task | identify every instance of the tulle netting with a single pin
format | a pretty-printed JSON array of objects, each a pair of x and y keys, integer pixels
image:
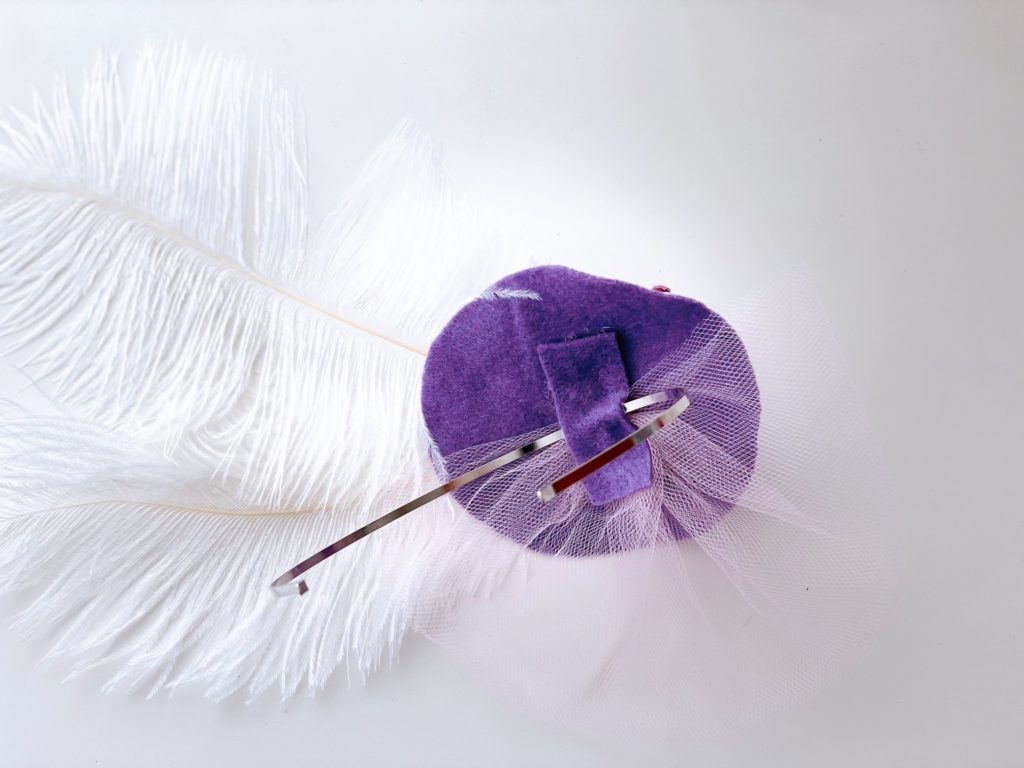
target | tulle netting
[{"x": 737, "y": 583}]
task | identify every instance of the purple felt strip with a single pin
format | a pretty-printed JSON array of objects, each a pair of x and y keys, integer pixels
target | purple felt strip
[{"x": 587, "y": 381}]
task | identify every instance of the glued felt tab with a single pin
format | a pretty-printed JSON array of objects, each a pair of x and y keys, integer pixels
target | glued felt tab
[{"x": 587, "y": 380}]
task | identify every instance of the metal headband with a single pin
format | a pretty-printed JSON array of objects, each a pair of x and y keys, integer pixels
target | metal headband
[{"x": 285, "y": 584}]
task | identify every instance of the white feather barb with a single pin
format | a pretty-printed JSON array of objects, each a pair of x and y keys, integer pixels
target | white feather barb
[
  {"x": 143, "y": 568},
  {"x": 156, "y": 243},
  {"x": 158, "y": 278}
]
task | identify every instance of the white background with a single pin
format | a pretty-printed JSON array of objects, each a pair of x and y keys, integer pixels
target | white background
[{"x": 703, "y": 145}]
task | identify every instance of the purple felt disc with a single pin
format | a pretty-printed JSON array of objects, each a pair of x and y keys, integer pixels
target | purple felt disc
[{"x": 506, "y": 365}]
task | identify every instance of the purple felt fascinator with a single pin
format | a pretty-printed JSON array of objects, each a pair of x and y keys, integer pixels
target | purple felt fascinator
[
  {"x": 553, "y": 346},
  {"x": 679, "y": 515}
]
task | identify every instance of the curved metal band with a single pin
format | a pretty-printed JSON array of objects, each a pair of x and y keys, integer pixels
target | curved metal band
[
  {"x": 612, "y": 452},
  {"x": 285, "y": 584}
]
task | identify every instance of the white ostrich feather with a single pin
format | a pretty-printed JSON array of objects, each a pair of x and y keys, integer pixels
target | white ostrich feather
[
  {"x": 160, "y": 575},
  {"x": 244, "y": 392}
]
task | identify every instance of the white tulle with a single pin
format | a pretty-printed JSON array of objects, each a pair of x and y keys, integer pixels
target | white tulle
[{"x": 676, "y": 639}]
